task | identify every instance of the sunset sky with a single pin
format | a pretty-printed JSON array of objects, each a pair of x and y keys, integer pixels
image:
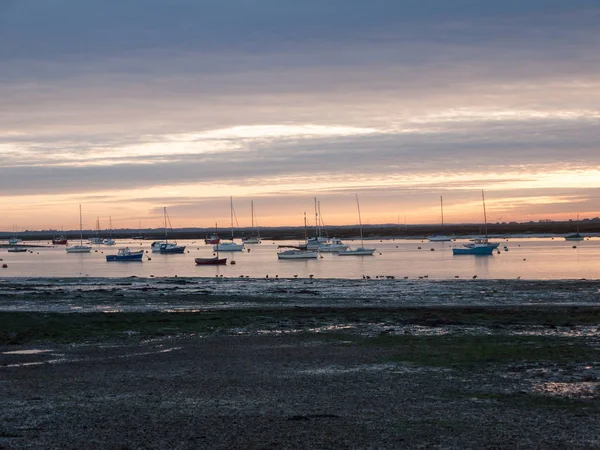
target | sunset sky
[{"x": 126, "y": 106}]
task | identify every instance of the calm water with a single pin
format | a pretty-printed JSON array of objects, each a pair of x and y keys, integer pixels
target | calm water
[{"x": 533, "y": 258}]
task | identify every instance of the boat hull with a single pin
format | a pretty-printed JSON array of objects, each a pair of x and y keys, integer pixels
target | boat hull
[
  {"x": 439, "y": 238},
  {"x": 358, "y": 252},
  {"x": 79, "y": 249},
  {"x": 171, "y": 250},
  {"x": 210, "y": 261},
  {"x": 297, "y": 254},
  {"x": 228, "y": 247},
  {"x": 130, "y": 257},
  {"x": 574, "y": 237},
  {"x": 482, "y": 251}
]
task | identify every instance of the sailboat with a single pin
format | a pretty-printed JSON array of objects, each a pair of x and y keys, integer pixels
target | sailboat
[
  {"x": 252, "y": 239},
  {"x": 97, "y": 239},
  {"x": 314, "y": 243},
  {"x": 440, "y": 237},
  {"x": 330, "y": 245},
  {"x": 166, "y": 247},
  {"x": 359, "y": 251},
  {"x": 574, "y": 236},
  {"x": 79, "y": 248},
  {"x": 109, "y": 240},
  {"x": 298, "y": 251},
  {"x": 229, "y": 246},
  {"x": 15, "y": 239},
  {"x": 211, "y": 261},
  {"x": 480, "y": 245}
]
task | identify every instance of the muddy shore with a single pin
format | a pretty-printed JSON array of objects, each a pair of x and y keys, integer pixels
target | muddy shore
[{"x": 449, "y": 377}]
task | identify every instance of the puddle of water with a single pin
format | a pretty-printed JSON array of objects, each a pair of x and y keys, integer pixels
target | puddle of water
[{"x": 33, "y": 351}]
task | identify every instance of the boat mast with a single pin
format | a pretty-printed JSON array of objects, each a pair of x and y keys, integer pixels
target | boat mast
[
  {"x": 359, "y": 222},
  {"x": 231, "y": 214},
  {"x": 165, "y": 216},
  {"x": 442, "y": 208},
  {"x": 305, "y": 232},
  {"x": 80, "y": 228},
  {"x": 216, "y": 234},
  {"x": 316, "y": 220},
  {"x": 484, "y": 215}
]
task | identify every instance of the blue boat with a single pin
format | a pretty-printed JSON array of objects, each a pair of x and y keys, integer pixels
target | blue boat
[
  {"x": 168, "y": 248},
  {"x": 478, "y": 246},
  {"x": 126, "y": 254}
]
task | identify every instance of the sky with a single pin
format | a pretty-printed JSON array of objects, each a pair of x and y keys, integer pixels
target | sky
[{"x": 126, "y": 107}]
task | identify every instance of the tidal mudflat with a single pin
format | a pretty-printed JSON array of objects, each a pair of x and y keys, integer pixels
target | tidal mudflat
[{"x": 304, "y": 374}]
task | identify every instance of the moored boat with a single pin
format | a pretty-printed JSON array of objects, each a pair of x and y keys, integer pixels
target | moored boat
[
  {"x": 210, "y": 261},
  {"x": 17, "y": 249},
  {"x": 165, "y": 247},
  {"x": 212, "y": 239},
  {"x": 574, "y": 237},
  {"x": 252, "y": 239},
  {"x": 79, "y": 248},
  {"x": 333, "y": 245},
  {"x": 478, "y": 246},
  {"x": 441, "y": 237},
  {"x": 59, "y": 240},
  {"x": 298, "y": 254},
  {"x": 359, "y": 251},
  {"x": 126, "y": 254},
  {"x": 229, "y": 246},
  {"x": 168, "y": 248}
]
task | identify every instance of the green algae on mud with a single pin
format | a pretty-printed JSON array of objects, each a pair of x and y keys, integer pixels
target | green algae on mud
[
  {"x": 468, "y": 351},
  {"x": 25, "y": 327}
]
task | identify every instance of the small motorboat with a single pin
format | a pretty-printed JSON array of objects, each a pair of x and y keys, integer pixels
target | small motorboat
[
  {"x": 212, "y": 239},
  {"x": 126, "y": 254},
  {"x": 59, "y": 240},
  {"x": 334, "y": 245}
]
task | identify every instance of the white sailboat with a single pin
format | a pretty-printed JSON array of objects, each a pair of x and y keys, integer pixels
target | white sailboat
[
  {"x": 109, "y": 240},
  {"x": 252, "y": 239},
  {"x": 359, "y": 251},
  {"x": 298, "y": 252},
  {"x": 79, "y": 248},
  {"x": 229, "y": 246},
  {"x": 314, "y": 243},
  {"x": 440, "y": 237}
]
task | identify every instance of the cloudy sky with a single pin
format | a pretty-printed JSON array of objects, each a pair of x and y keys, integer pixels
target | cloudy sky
[{"x": 126, "y": 106}]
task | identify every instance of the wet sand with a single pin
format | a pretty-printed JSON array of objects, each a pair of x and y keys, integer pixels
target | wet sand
[{"x": 448, "y": 377}]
